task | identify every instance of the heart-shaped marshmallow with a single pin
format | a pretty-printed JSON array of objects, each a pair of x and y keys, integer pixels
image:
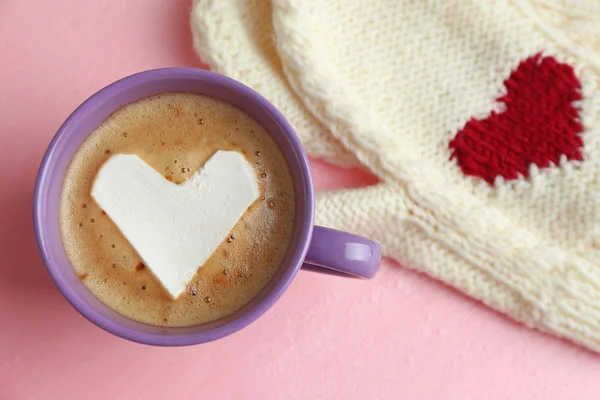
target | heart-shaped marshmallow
[{"x": 175, "y": 228}]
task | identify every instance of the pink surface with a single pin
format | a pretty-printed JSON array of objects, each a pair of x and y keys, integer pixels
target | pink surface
[{"x": 400, "y": 335}]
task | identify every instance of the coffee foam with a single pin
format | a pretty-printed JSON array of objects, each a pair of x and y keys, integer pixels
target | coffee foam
[{"x": 176, "y": 134}]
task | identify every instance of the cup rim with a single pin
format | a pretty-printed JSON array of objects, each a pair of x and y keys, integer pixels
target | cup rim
[{"x": 90, "y": 312}]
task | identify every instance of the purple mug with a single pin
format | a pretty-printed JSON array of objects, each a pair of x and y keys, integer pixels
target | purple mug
[{"x": 315, "y": 248}]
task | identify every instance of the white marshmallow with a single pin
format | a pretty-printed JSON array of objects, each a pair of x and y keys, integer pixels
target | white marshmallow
[{"x": 175, "y": 228}]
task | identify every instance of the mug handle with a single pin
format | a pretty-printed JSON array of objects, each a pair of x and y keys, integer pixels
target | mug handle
[{"x": 341, "y": 253}]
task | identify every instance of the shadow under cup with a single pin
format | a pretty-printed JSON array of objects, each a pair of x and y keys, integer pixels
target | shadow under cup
[{"x": 85, "y": 119}]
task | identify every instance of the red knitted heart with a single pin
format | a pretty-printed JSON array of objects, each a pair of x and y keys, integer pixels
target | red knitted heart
[{"x": 538, "y": 125}]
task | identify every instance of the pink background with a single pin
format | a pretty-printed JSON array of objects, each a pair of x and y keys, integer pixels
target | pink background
[{"x": 400, "y": 335}]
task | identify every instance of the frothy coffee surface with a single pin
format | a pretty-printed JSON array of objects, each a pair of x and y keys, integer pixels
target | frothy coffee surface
[{"x": 176, "y": 133}]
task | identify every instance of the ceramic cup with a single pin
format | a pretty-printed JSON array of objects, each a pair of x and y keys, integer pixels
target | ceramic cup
[{"x": 313, "y": 247}]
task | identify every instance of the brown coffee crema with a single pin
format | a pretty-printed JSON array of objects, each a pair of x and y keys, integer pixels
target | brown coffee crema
[{"x": 176, "y": 133}]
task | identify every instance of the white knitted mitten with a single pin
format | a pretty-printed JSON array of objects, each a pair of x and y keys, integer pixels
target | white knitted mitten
[{"x": 483, "y": 120}]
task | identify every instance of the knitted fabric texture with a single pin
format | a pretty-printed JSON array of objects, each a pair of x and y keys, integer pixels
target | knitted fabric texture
[
  {"x": 506, "y": 144},
  {"x": 482, "y": 119},
  {"x": 235, "y": 37}
]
